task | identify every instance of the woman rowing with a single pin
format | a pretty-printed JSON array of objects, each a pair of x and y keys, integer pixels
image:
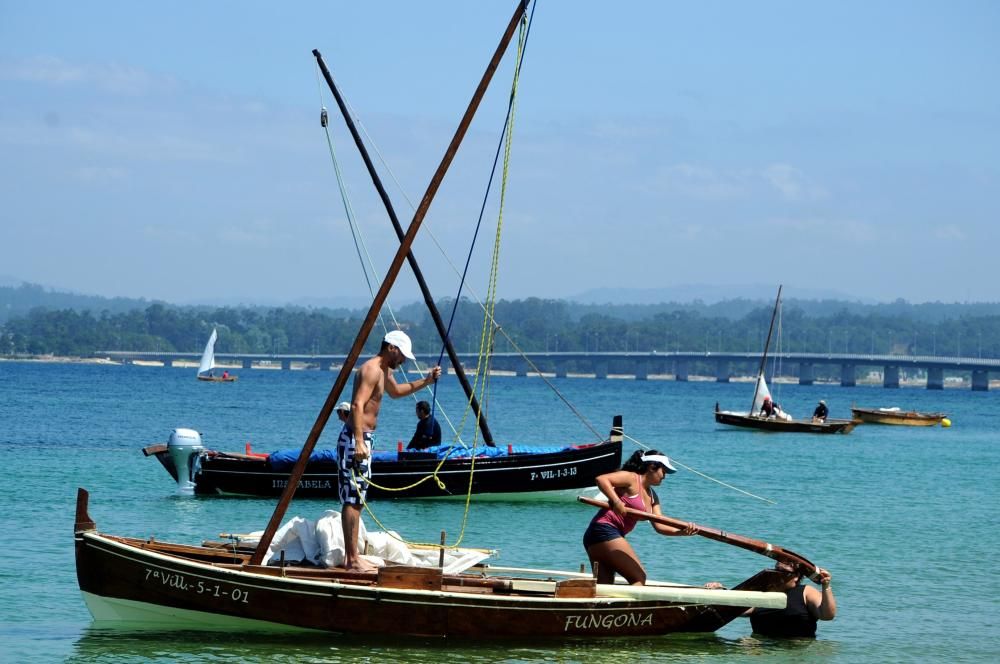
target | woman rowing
[{"x": 632, "y": 486}]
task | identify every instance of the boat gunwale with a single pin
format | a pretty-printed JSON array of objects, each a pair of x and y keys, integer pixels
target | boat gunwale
[{"x": 370, "y": 590}]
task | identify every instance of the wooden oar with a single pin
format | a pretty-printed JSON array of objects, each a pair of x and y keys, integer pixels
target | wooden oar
[{"x": 800, "y": 563}]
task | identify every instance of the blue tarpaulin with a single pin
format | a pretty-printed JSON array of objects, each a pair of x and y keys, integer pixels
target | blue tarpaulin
[{"x": 285, "y": 459}]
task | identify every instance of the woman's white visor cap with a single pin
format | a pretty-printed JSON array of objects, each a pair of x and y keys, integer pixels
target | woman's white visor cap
[{"x": 661, "y": 459}]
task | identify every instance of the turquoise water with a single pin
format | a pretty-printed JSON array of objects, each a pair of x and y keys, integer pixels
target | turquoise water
[{"x": 905, "y": 518}]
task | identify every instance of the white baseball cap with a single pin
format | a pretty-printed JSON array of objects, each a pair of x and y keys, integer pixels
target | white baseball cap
[
  {"x": 399, "y": 339},
  {"x": 344, "y": 406}
]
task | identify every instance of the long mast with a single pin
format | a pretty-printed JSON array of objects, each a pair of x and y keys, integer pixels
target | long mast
[
  {"x": 397, "y": 263},
  {"x": 767, "y": 344},
  {"x": 417, "y": 272}
]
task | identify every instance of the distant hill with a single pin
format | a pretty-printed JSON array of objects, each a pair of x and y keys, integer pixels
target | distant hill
[
  {"x": 18, "y": 298},
  {"x": 338, "y": 302},
  {"x": 628, "y": 304},
  {"x": 707, "y": 294}
]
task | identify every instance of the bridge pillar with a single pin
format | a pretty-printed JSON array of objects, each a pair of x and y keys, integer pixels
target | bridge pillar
[
  {"x": 935, "y": 378},
  {"x": 980, "y": 380},
  {"x": 890, "y": 376},
  {"x": 847, "y": 378},
  {"x": 722, "y": 371},
  {"x": 521, "y": 368},
  {"x": 561, "y": 368},
  {"x": 600, "y": 368},
  {"x": 682, "y": 370},
  {"x": 641, "y": 369},
  {"x": 286, "y": 364},
  {"x": 247, "y": 364},
  {"x": 806, "y": 373}
]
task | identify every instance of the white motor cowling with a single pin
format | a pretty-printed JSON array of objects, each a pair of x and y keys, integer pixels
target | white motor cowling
[{"x": 185, "y": 450}]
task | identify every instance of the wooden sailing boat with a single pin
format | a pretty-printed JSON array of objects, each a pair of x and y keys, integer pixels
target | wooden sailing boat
[
  {"x": 158, "y": 584},
  {"x": 512, "y": 469},
  {"x": 778, "y": 422},
  {"x": 206, "y": 368},
  {"x": 146, "y": 581}
]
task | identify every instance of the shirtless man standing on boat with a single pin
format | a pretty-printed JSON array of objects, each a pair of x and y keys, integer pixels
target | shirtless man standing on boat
[{"x": 357, "y": 438}]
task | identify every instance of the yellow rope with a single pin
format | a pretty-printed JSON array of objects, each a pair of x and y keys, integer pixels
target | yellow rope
[{"x": 488, "y": 335}]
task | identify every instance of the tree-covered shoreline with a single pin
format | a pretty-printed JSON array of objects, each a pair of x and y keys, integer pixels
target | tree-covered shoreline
[{"x": 534, "y": 325}]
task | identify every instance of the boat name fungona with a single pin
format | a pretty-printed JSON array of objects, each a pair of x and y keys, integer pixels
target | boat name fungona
[{"x": 592, "y": 621}]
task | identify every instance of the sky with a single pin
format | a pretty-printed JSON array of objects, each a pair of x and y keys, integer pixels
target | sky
[{"x": 174, "y": 151}]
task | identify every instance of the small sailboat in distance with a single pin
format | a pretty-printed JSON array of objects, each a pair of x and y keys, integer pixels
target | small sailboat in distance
[
  {"x": 206, "y": 368},
  {"x": 777, "y": 420}
]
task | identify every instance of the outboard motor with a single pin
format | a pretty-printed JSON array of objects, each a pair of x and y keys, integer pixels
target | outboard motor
[{"x": 185, "y": 450}]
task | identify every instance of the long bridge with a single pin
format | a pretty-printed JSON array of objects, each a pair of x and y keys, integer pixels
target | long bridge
[{"x": 641, "y": 365}]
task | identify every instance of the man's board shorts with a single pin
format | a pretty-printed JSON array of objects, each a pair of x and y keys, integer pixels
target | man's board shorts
[{"x": 353, "y": 477}]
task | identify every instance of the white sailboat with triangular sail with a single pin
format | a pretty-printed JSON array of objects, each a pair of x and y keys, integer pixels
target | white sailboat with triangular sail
[
  {"x": 771, "y": 417},
  {"x": 206, "y": 368}
]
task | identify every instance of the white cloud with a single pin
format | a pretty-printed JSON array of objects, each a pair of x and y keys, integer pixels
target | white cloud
[
  {"x": 110, "y": 77},
  {"x": 259, "y": 234},
  {"x": 100, "y": 174},
  {"x": 619, "y": 131},
  {"x": 791, "y": 183},
  {"x": 700, "y": 182},
  {"x": 949, "y": 232},
  {"x": 828, "y": 231}
]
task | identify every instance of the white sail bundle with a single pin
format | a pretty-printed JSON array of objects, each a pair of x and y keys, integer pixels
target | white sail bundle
[{"x": 321, "y": 543}]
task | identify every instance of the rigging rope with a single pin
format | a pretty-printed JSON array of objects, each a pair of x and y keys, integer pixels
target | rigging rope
[
  {"x": 362, "y": 251},
  {"x": 699, "y": 473},
  {"x": 506, "y": 142},
  {"x": 466, "y": 287}
]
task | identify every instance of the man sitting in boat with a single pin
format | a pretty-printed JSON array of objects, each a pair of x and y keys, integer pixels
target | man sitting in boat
[
  {"x": 768, "y": 408},
  {"x": 225, "y": 374},
  {"x": 343, "y": 410},
  {"x": 771, "y": 409},
  {"x": 428, "y": 433},
  {"x": 821, "y": 412}
]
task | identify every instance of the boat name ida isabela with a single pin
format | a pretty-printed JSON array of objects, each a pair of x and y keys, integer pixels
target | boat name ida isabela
[
  {"x": 591, "y": 621},
  {"x": 180, "y": 582},
  {"x": 303, "y": 484}
]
